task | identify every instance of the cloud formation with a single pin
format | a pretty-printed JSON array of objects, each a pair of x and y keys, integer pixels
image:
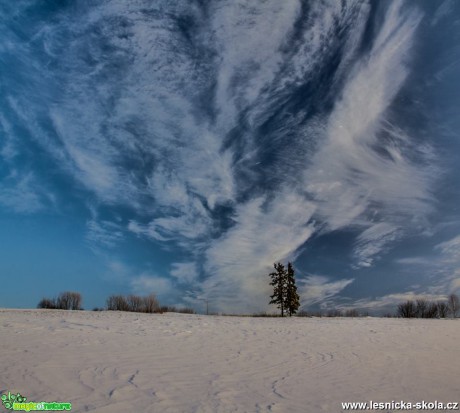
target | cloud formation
[{"x": 231, "y": 132}]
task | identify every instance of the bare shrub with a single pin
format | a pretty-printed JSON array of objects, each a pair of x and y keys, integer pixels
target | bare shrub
[
  {"x": 117, "y": 303},
  {"x": 187, "y": 310},
  {"x": 351, "y": 313},
  {"x": 388, "y": 315},
  {"x": 407, "y": 309},
  {"x": 69, "y": 300},
  {"x": 317, "y": 314},
  {"x": 423, "y": 309},
  {"x": 432, "y": 310},
  {"x": 454, "y": 304},
  {"x": 302, "y": 313},
  {"x": 443, "y": 309},
  {"x": 135, "y": 303},
  {"x": 334, "y": 313},
  {"x": 47, "y": 303},
  {"x": 151, "y": 304},
  {"x": 421, "y": 306}
]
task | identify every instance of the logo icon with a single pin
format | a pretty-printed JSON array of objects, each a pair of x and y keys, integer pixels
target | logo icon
[
  {"x": 19, "y": 403},
  {"x": 10, "y": 399}
]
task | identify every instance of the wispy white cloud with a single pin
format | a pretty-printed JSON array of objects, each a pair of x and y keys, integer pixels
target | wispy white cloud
[
  {"x": 455, "y": 283},
  {"x": 103, "y": 233},
  {"x": 442, "y": 11},
  {"x": 319, "y": 289},
  {"x": 355, "y": 168},
  {"x": 184, "y": 272},
  {"x": 415, "y": 261},
  {"x": 390, "y": 302},
  {"x": 440, "y": 266},
  {"x": 449, "y": 264},
  {"x": 148, "y": 283},
  {"x": 250, "y": 55},
  {"x": 372, "y": 241},
  {"x": 149, "y": 129},
  {"x": 265, "y": 231},
  {"x": 450, "y": 249},
  {"x": 349, "y": 174},
  {"x": 189, "y": 225},
  {"x": 24, "y": 194},
  {"x": 139, "y": 282},
  {"x": 9, "y": 147}
]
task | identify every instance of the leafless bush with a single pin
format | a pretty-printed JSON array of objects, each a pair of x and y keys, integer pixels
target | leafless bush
[
  {"x": 334, "y": 313},
  {"x": 47, "y": 303},
  {"x": 261, "y": 314},
  {"x": 443, "y": 309},
  {"x": 388, "y": 315},
  {"x": 423, "y": 309},
  {"x": 117, "y": 303},
  {"x": 351, "y": 313},
  {"x": 454, "y": 304},
  {"x": 407, "y": 309},
  {"x": 432, "y": 310},
  {"x": 421, "y": 306},
  {"x": 151, "y": 304},
  {"x": 317, "y": 314},
  {"x": 135, "y": 303},
  {"x": 69, "y": 301},
  {"x": 187, "y": 310},
  {"x": 65, "y": 301},
  {"x": 302, "y": 313}
]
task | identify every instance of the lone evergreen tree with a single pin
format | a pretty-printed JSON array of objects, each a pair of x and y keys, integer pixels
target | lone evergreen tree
[
  {"x": 292, "y": 302},
  {"x": 279, "y": 286}
]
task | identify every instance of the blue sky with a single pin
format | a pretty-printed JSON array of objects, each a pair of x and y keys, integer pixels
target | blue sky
[{"x": 184, "y": 147}]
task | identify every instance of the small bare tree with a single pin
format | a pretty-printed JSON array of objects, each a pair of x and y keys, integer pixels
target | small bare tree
[
  {"x": 135, "y": 303},
  {"x": 117, "y": 303},
  {"x": 334, "y": 312},
  {"x": 407, "y": 309},
  {"x": 443, "y": 309},
  {"x": 49, "y": 303},
  {"x": 351, "y": 313},
  {"x": 421, "y": 306},
  {"x": 432, "y": 310},
  {"x": 75, "y": 301},
  {"x": 454, "y": 304},
  {"x": 69, "y": 300},
  {"x": 151, "y": 304}
]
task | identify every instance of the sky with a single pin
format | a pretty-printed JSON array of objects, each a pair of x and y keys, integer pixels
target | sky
[{"x": 182, "y": 148}]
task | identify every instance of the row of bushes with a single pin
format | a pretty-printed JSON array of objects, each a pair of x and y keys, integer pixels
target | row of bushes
[
  {"x": 65, "y": 301},
  {"x": 134, "y": 303},
  {"x": 149, "y": 304},
  {"x": 330, "y": 313},
  {"x": 334, "y": 312},
  {"x": 172, "y": 309},
  {"x": 422, "y": 308}
]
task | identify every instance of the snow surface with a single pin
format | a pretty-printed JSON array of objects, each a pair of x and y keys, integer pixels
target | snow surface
[{"x": 128, "y": 362}]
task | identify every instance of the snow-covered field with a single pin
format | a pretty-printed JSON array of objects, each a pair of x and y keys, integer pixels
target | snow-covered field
[{"x": 128, "y": 362}]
